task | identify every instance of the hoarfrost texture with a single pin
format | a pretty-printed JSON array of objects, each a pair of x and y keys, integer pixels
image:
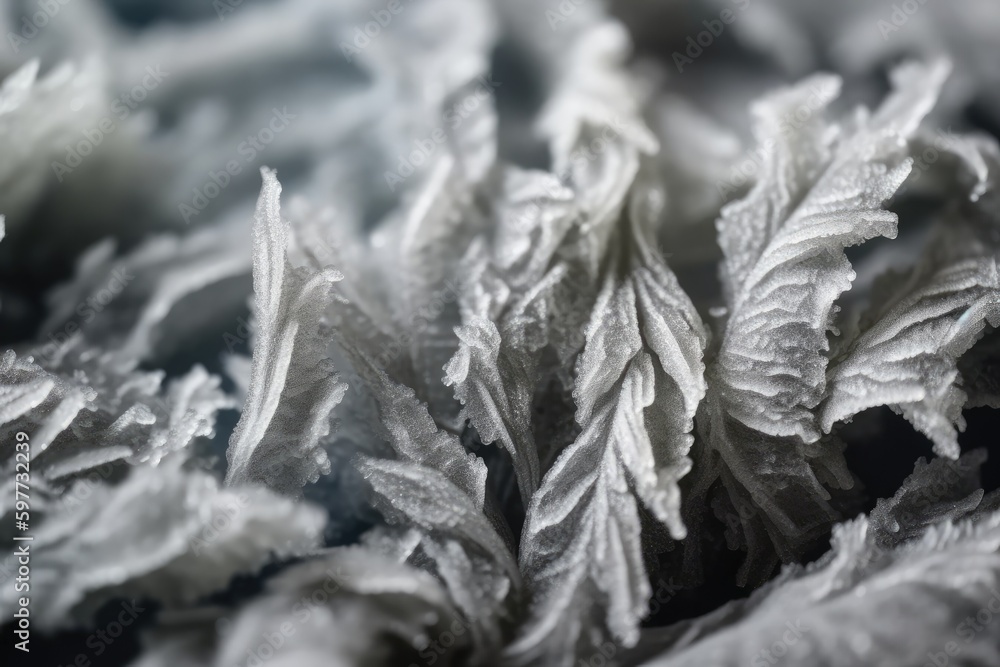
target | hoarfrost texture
[{"x": 502, "y": 332}]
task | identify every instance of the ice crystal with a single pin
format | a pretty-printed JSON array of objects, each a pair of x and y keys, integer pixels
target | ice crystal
[{"x": 540, "y": 324}]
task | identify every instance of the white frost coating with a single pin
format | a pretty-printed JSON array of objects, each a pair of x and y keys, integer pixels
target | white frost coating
[
  {"x": 854, "y": 605},
  {"x": 822, "y": 189},
  {"x": 158, "y": 275},
  {"x": 76, "y": 418},
  {"x": 426, "y": 498},
  {"x": 639, "y": 381},
  {"x": 571, "y": 345},
  {"x": 476, "y": 565},
  {"x": 507, "y": 315},
  {"x": 917, "y": 328},
  {"x": 370, "y": 610},
  {"x": 37, "y": 122},
  {"x": 293, "y": 388},
  {"x": 414, "y": 436},
  {"x": 157, "y": 535},
  {"x": 791, "y": 271},
  {"x": 539, "y": 283}
]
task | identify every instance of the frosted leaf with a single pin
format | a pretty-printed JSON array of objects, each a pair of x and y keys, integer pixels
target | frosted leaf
[
  {"x": 186, "y": 412},
  {"x": 494, "y": 371},
  {"x": 88, "y": 417},
  {"x": 517, "y": 252},
  {"x": 425, "y": 293},
  {"x": 961, "y": 160},
  {"x": 463, "y": 548},
  {"x": 32, "y": 395},
  {"x": 937, "y": 491},
  {"x": 794, "y": 154},
  {"x": 350, "y": 606},
  {"x": 408, "y": 295},
  {"x": 535, "y": 285},
  {"x": 532, "y": 214},
  {"x": 440, "y": 489},
  {"x": 940, "y": 491},
  {"x": 323, "y": 237},
  {"x": 128, "y": 305},
  {"x": 507, "y": 316},
  {"x": 359, "y": 432},
  {"x": 478, "y": 588},
  {"x": 796, "y": 268},
  {"x": 415, "y": 437},
  {"x": 853, "y": 606},
  {"x": 822, "y": 190},
  {"x": 496, "y": 391},
  {"x": 162, "y": 533},
  {"x": 293, "y": 388},
  {"x": 425, "y": 498},
  {"x": 980, "y": 369},
  {"x": 639, "y": 382},
  {"x": 409, "y": 291},
  {"x": 594, "y": 92},
  {"x": 38, "y": 119},
  {"x": 381, "y": 601},
  {"x": 592, "y": 118},
  {"x": 919, "y": 325}
]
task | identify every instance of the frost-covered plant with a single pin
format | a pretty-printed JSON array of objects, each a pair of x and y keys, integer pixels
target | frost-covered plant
[{"x": 490, "y": 405}]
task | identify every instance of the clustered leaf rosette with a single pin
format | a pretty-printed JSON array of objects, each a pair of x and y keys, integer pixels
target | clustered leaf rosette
[{"x": 480, "y": 415}]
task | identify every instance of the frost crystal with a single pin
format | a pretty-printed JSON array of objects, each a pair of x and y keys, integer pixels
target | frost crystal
[
  {"x": 573, "y": 333},
  {"x": 292, "y": 391}
]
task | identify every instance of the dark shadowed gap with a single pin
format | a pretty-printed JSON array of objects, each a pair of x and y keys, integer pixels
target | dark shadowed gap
[
  {"x": 882, "y": 449},
  {"x": 519, "y": 99}
]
